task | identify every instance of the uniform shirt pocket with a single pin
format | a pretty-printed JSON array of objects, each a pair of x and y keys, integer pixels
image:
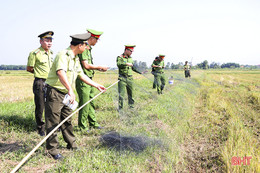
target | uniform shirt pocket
[{"x": 71, "y": 66}]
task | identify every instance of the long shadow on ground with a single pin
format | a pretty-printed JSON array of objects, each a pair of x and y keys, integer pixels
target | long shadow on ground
[{"x": 17, "y": 122}]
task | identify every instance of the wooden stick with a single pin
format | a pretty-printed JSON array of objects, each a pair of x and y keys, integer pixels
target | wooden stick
[{"x": 46, "y": 137}]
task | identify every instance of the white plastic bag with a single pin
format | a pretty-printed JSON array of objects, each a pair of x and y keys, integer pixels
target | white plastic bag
[{"x": 66, "y": 101}]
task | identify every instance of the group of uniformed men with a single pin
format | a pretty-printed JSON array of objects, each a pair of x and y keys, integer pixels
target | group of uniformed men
[{"x": 54, "y": 78}]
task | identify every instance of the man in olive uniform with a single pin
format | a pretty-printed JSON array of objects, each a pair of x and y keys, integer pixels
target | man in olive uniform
[
  {"x": 158, "y": 65},
  {"x": 186, "y": 69},
  {"x": 153, "y": 69},
  {"x": 126, "y": 68},
  {"x": 60, "y": 81},
  {"x": 87, "y": 92},
  {"x": 39, "y": 63}
]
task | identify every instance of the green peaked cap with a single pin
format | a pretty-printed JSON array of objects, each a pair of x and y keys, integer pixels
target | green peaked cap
[
  {"x": 161, "y": 55},
  {"x": 129, "y": 45},
  {"x": 92, "y": 31}
]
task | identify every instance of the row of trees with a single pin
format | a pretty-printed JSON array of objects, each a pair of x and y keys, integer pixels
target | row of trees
[
  {"x": 12, "y": 67},
  {"x": 214, "y": 65},
  {"x": 203, "y": 65},
  {"x": 143, "y": 66}
]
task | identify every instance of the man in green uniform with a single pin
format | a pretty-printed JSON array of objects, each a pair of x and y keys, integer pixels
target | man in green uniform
[
  {"x": 60, "y": 81},
  {"x": 126, "y": 68},
  {"x": 39, "y": 63},
  {"x": 153, "y": 70},
  {"x": 87, "y": 92},
  {"x": 158, "y": 65},
  {"x": 186, "y": 69}
]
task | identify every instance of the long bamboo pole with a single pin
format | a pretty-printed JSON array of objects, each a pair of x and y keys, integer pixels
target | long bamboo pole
[{"x": 47, "y": 136}]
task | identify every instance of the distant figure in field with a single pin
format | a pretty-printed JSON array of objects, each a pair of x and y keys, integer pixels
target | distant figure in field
[
  {"x": 60, "y": 81},
  {"x": 186, "y": 69},
  {"x": 39, "y": 63},
  {"x": 158, "y": 65}
]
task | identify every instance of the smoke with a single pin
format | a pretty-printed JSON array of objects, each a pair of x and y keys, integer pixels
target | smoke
[{"x": 114, "y": 140}]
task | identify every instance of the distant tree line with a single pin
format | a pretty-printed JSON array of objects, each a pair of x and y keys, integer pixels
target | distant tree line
[
  {"x": 231, "y": 65},
  {"x": 12, "y": 67},
  {"x": 214, "y": 65},
  {"x": 203, "y": 65},
  {"x": 141, "y": 66}
]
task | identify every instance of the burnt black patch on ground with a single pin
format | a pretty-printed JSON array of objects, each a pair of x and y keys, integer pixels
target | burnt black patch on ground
[
  {"x": 114, "y": 140},
  {"x": 4, "y": 147}
]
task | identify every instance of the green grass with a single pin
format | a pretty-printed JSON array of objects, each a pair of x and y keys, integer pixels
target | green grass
[
  {"x": 15, "y": 73},
  {"x": 225, "y": 124},
  {"x": 201, "y": 123}
]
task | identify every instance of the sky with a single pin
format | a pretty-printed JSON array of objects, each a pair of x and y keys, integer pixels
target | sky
[{"x": 219, "y": 31}]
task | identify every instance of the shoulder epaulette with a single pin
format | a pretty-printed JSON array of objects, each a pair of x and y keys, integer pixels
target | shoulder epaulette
[
  {"x": 36, "y": 51},
  {"x": 88, "y": 47},
  {"x": 67, "y": 52}
]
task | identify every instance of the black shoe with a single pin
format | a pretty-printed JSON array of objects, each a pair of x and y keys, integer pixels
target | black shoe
[
  {"x": 58, "y": 157},
  {"x": 131, "y": 107},
  {"x": 41, "y": 133},
  {"x": 84, "y": 131},
  {"x": 72, "y": 148},
  {"x": 99, "y": 127}
]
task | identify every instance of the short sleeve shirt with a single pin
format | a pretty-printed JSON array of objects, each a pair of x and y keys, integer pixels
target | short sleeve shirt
[
  {"x": 122, "y": 67},
  {"x": 41, "y": 61},
  {"x": 67, "y": 61},
  {"x": 87, "y": 56},
  {"x": 160, "y": 63},
  {"x": 186, "y": 67}
]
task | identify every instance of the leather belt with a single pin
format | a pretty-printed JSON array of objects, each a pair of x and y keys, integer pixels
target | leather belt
[{"x": 36, "y": 78}]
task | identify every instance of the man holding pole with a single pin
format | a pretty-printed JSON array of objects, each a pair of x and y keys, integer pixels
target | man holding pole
[
  {"x": 158, "y": 65},
  {"x": 153, "y": 70},
  {"x": 61, "y": 79},
  {"x": 86, "y": 92},
  {"x": 126, "y": 68},
  {"x": 39, "y": 63}
]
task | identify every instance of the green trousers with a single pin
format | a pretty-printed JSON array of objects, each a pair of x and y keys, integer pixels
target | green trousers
[
  {"x": 160, "y": 81},
  {"x": 154, "y": 82},
  {"x": 87, "y": 113},
  {"x": 125, "y": 84},
  {"x": 55, "y": 112}
]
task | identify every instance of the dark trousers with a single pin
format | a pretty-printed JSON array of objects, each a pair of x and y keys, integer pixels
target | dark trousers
[
  {"x": 55, "y": 112},
  {"x": 39, "y": 100},
  {"x": 187, "y": 73}
]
